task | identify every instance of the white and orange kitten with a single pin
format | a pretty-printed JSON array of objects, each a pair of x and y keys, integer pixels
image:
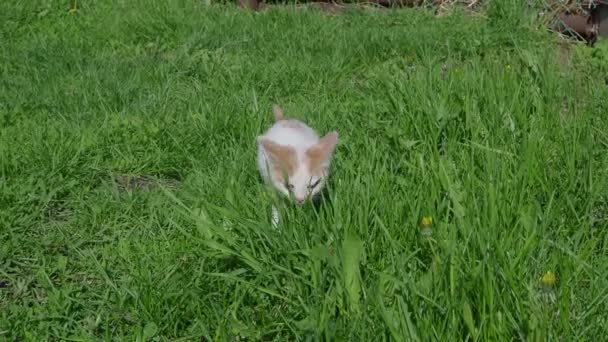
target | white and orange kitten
[{"x": 293, "y": 159}]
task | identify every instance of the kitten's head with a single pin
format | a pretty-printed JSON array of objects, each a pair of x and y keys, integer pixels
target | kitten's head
[{"x": 300, "y": 174}]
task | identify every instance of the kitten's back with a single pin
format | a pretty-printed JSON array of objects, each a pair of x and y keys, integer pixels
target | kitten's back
[{"x": 292, "y": 132}]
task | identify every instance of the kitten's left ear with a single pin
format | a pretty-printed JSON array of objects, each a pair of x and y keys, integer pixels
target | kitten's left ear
[
  {"x": 329, "y": 142},
  {"x": 320, "y": 154}
]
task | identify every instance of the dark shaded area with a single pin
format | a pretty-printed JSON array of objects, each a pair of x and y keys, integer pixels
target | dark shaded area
[
  {"x": 142, "y": 183},
  {"x": 586, "y": 22},
  {"x": 332, "y": 6}
]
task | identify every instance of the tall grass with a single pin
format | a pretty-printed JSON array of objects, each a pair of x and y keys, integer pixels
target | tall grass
[{"x": 474, "y": 122}]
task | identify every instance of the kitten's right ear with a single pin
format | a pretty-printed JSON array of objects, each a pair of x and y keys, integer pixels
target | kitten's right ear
[
  {"x": 280, "y": 155},
  {"x": 265, "y": 142},
  {"x": 277, "y": 152},
  {"x": 278, "y": 113}
]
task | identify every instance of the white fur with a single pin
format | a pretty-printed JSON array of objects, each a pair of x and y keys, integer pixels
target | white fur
[{"x": 275, "y": 217}]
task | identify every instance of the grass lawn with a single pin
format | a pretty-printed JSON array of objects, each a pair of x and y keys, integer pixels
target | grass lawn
[{"x": 131, "y": 207}]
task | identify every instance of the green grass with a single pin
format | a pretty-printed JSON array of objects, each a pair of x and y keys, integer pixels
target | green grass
[{"x": 486, "y": 127}]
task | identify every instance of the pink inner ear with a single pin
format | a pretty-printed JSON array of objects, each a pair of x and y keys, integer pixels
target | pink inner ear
[
  {"x": 319, "y": 154},
  {"x": 329, "y": 141}
]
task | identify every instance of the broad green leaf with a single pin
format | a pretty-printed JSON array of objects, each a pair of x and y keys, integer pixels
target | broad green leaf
[{"x": 352, "y": 251}]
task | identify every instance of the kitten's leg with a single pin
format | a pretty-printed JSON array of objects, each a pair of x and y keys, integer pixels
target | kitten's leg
[
  {"x": 275, "y": 217},
  {"x": 275, "y": 212}
]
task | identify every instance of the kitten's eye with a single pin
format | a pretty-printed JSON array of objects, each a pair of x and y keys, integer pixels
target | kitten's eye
[
  {"x": 289, "y": 186},
  {"x": 314, "y": 185}
]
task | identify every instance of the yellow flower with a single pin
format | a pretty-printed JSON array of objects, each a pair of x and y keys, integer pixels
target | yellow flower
[
  {"x": 548, "y": 279},
  {"x": 426, "y": 221}
]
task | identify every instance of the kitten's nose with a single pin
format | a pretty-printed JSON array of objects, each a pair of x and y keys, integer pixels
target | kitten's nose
[{"x": 300, "y": 200}]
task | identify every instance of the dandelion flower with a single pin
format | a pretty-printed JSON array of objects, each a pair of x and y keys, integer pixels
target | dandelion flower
[
  {"x": 426, "y": 221},
  {"x": 425, "y": 224},
  {"x": 548, "y": 279}
]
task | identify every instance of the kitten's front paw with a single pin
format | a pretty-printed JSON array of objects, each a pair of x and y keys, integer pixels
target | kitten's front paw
[{"x": 275, "y": 217}]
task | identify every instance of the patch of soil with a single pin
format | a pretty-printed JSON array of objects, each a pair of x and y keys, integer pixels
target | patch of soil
[
  {"x": 250, "y": 4},
  {"x": 329, "y": 7}
]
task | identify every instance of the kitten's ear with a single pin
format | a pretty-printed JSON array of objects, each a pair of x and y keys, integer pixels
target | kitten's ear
[
  {"x": 282, "y": 156},
  {"x": 269, "y": 145},
  {"x": 329, "y": 141},
  {"x": 278, "y": 113},
  {"x": 320, "y": 154}
]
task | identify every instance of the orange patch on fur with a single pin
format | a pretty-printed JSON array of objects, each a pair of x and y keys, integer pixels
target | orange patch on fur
[
  {"x": 282, "y": 158},
  {"x": 319, "y": 155}
]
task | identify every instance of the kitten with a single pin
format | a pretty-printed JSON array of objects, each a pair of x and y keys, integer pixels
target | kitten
[{"x": 293, "y": 159}]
